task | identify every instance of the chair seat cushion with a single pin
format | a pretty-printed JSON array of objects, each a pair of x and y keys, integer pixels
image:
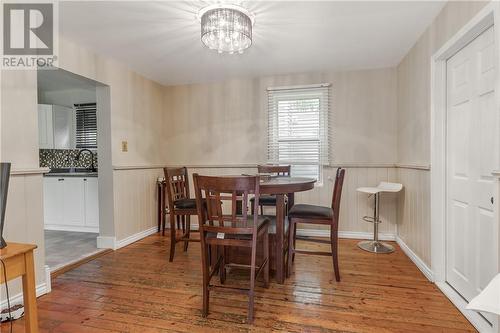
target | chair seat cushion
[
  {"x": 266, "y": 200},
  {"x": 310, "y": 212},
  {"x": 261, "y": 222},
  {"x": 185, "y": 204}
]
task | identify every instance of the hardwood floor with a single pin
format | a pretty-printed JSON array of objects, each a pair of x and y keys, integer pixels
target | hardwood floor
[{"x": 136, "y": 289}]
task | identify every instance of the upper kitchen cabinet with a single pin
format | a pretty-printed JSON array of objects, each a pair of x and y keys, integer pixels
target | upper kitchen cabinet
[
  {"x": 45, "y": 127},
  {"x": 56, "y": 126}
]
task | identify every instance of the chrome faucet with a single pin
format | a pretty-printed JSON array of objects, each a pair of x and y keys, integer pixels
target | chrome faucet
[{"x": 77, "y": 158}]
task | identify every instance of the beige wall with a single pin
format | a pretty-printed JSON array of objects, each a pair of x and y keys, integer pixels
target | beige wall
[
  {"x": 414, "y": 124},
  {"x": 136, "y": 116},
  {"x": 225, "y": 123},
  {"x": 354, "y": 205},
  {"x": 19, "y": 145}
]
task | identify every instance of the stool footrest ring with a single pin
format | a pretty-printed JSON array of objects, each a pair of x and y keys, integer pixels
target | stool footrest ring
[{"x": 370, "y": 219}]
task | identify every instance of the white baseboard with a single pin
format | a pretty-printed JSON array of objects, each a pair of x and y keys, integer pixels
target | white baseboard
[
  {"x": 106, "y": 242},
  {"x": 135, "y": 237},
  {"x": 416, "y": 260},
  {"x": 475, "y": 318},
  {"x": 326, "y": 233},
  {"x": 343, "y": 234},
  {"x": 56, "y": 227},
  {"x": 48, "y": 280}
]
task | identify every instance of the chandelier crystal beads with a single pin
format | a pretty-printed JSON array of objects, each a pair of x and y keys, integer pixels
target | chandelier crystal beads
[{"x": 226, "y": 29}]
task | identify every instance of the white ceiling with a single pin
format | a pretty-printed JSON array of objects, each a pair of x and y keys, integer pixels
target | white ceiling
[{"x": 161, "y": 40}]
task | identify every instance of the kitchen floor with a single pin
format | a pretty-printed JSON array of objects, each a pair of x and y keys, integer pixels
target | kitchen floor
[{"x": 65, "y": 247}]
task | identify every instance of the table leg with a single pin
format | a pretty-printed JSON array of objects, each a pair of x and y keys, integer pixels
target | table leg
[
  {"x": 29, "y": 295},
  {"x": 163, "y": 203},
  {"x": 160, "y": 212},
  {"x": 291, "y": 200},
  {"x": 280, "y": 234}
]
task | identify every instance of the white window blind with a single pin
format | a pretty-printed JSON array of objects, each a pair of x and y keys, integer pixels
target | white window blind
[
  {"x": 86, "y": 126},
  {"x": 299, "y": 128}
]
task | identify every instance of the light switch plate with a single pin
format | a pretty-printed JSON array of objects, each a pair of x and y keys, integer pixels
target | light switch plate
[{"x": 124, "y": 146}]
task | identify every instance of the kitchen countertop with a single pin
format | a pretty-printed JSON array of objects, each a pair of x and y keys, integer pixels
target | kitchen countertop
[{"x": 71, "y": 172}]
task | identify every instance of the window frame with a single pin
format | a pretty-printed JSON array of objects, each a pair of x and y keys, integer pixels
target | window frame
[{"x": 277, "y": 95}]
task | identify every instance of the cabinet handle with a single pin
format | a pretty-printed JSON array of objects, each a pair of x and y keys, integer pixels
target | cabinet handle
[
  {"x": 84, "y": 179},
  {"x": 60, "y": 179}
]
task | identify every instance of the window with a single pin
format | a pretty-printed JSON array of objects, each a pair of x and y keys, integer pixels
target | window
[
  {"x": 298, "y": 128},
  {"x": 86, "y": 126}
]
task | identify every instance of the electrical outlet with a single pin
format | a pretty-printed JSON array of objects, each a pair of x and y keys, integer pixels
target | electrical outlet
[{"x": 124, "y": 146}]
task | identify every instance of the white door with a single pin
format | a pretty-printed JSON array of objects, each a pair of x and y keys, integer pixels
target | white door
[{"x": 472, "y": 154}]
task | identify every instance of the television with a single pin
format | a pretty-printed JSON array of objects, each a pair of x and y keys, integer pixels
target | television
[{"x": 4, "y": 188}]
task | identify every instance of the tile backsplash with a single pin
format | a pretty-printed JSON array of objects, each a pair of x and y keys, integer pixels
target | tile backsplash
[{"x": 64, "y": 158}]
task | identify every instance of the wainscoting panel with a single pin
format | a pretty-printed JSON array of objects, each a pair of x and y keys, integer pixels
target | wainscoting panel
[
  {"x": 354, "y": 205},
  {"x": 135, "y": 200},
  {"x": 24, "y": 222},
  {"x": 414, "y": 212}
]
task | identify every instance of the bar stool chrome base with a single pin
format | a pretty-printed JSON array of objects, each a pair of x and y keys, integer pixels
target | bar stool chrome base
[{"x": 376, "y": 247}]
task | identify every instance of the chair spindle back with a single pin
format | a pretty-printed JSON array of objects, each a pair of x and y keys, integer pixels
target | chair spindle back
[
  {"x": 279, "y": 170},
  {"x": 337, "y": 192},
  {"x": 177, "y": 184},
  {"x": 214, "y": 193}
]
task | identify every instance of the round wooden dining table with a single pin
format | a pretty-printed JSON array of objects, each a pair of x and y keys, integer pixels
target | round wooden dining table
[{"x": 280, "y": 187}]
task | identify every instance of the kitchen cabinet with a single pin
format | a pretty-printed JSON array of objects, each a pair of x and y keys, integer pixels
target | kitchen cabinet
[
  {"x": 71, "y": 204},
  {"x": 64, "y": 127},
  {"x": 56, "y": 127},
  {"x": 45, "y": 127},
  {"x": 91, "y": 202}
]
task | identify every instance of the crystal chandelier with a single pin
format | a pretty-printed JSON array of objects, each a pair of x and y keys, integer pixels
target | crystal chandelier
[{"x": 226, "y": 28}]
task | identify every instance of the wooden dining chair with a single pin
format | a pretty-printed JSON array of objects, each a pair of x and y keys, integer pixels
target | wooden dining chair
[
  {"x": 232, "y": 228},
  {"x": 311, "y": 214},
  {"x": 180, "y": 207},
  {"x": 276, "y": 170}
]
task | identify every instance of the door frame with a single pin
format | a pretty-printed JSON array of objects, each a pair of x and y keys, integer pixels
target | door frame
[{"x": 487, "y": 17}]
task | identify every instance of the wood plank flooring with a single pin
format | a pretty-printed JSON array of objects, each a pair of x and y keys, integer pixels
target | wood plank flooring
[{"x": 136, "y": 289}]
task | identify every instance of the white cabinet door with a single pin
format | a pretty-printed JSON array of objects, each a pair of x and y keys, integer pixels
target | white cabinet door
[
  {"x": 64, "y": 132},
  {"x": 91, "y": 202},
  {"x": 53, "y": 197},
  {"x": 45, "y": 127},
  {"x": 71, "y": 203},
  {"x": 74, "y": 202}
]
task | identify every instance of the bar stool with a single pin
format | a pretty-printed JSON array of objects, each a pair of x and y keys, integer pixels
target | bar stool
[
  {"x": 311, "y": 214},
  {"x": 180, "y": 207},
  {"x": 376, "y": 246},
  {"x": 275, "y": 170}
]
